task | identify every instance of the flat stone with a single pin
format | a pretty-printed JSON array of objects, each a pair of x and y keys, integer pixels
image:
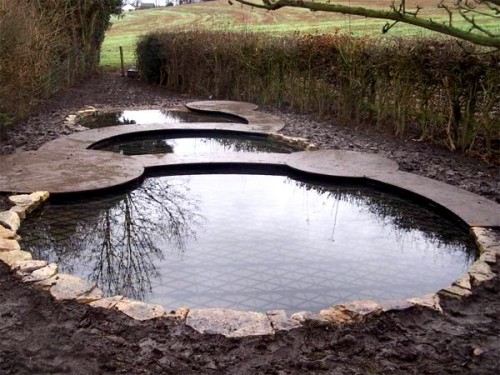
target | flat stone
[
  {"x": 41, "y": 273},
  {"x": 94, "y": 295},
  {"x": 106, "y": 303},
  {"x": 395, "y": 305},
  {"x": 8, "y": 245},
  {"x": 47, "y": 283},
  {"x": 454, "y": 291},
  {"x": 10, "y": 220},
  {"x": 480, "y": 271},
  {"x": 181, "y": 313},
  {"x": 12, "y": 257},
  {"x": 307, "y": 318},
  {"x": 352, "y": 312},
  {"x": 488, "y": 256},
  {"x": 140, "y": 310},
  {"x": 25, "y": 267},
  {"x": 40, "y": 196},
  {"x": 430, "y": 301},
  {"x": 280, "y": 322},
  {"x": 463, "y": 282},
  {"x": 66, "y": 287},
  {"x": 230, "y": 323},
  {"x": 20, "y": 211},
  {"x": 20, "y": 200},
  {"x": 341, "y": 163},
  {"x": 67, "y": 171},
  {"x": 26, "y": 203},
  {"x": 8, "y": 234}
]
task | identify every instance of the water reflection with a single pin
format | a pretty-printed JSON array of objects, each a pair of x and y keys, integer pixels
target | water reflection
[
  {"x": 252, "y": 242},
  {"x": 197, "y": 145},
  {"x": 113, "y": 240},
  {"x": 153, "y": 116}
]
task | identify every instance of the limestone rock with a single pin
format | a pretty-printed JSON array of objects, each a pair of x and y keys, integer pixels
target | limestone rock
[
  {"x": 140, "y": 310},
  {"x": 488, "y": 256},
  {"x": 10, "y": 220},
  {"x": 40, "y": 196},
  {"x": 12, "y": 257},
  {"x": 430, "y": 301},
  {"x": 181, "y": 313},
  {"x": 395, "y": 305},
  {"x": 20, "y": 211},
  {"x": 25, "y": 267},
  {"x": 454, "y": 291},
  {"x": 280, "y": 322},
  {"x": 480, "y": 271},
  {"x": 94, "y": 295},
  {"x": 65, "y": 287},
  {"x": 463, "y": 282},
  {"x": 307, "y": 318},
  {"x": 8, "y": 234},
  {"x": 20, "y": 200},
  {"x": 41, "y": 273},
  {"x": 356, "y": 311},
  {"x": 8, "y": 245},
  {"x": 106, "y": 303},
  {"x": 230, "y": 323}
]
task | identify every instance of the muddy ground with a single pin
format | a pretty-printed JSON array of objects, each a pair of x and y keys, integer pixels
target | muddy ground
[{"x": 41, "y": 336}]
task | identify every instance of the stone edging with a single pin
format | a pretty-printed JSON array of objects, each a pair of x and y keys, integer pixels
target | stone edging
[{"x": 231, "y": 323}]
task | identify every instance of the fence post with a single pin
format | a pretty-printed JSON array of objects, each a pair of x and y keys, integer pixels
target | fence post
[{"x": 121, "y": 61}]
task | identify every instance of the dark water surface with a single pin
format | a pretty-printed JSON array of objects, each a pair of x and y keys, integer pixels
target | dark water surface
[
  {"x": 252, "y": 242},
  {"x": 202, "y": 144},
  {"x": 153, "y": 116}
]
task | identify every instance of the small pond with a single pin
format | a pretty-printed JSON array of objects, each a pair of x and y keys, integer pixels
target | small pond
[
  {"x": 185, "y": 143},
  {"x": 154, "y": 116},
  {"x": 251, "y": 242}
]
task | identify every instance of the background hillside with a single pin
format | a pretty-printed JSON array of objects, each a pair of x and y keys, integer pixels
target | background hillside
[{"x": 220, "y": 15}]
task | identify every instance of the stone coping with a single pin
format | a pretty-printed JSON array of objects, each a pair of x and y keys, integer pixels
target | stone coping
[{"x": 65, "y": 166}]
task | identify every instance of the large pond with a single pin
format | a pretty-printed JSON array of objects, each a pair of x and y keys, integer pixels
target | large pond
[
  {"x": 153, "y": 116},
  {"x": 252, "y": 242},
  {"x": 186, "y": 143}
]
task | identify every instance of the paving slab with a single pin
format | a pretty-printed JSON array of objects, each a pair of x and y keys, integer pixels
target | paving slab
[
  {"x": 341, "y": 163},
  {"x": 245, "y": 110},
  {"x": 61, "y": 172}
]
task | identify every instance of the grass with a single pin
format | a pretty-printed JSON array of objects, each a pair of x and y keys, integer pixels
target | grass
[{"x": 222, "y": 16}]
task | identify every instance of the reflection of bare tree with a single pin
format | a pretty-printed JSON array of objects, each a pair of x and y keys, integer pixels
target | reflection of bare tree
[
  {"x": 114, "y": 241},
  {"x": 403, "y": 215}
]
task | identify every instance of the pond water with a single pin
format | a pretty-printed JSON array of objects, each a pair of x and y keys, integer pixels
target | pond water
[
  {"x": 251, "y": 242},
  {"x": 153, "y": 116},
  {"x": 196, "y": 143}
]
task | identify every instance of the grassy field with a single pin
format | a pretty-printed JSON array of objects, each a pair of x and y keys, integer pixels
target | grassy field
[{"x": 220, "y": 15}]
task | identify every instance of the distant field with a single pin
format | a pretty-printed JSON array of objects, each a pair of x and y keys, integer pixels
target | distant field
[{"x": 220, "y": 15}]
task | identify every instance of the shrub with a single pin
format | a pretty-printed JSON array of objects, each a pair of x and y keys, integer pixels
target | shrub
[{"x": 422, "y": 88}]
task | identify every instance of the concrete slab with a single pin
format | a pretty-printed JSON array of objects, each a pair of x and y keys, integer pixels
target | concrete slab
[
  {"x": 341, "y": 163},
  {"x": 66, "y": 172},
  {"x": 265, "y": 121}
]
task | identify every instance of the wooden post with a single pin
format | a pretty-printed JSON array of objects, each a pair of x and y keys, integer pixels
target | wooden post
[{"x": 121, "y": 61}]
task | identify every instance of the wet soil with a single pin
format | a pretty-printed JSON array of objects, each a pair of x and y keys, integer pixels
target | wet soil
[{"x": 39, "y": 335}]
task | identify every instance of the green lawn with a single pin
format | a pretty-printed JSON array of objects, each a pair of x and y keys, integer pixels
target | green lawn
[{"x": 219, "y": 15}]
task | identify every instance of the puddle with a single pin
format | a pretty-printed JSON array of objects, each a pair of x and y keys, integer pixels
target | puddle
[
  {"x": 251, "y": 242},
  {"x": 153, "y": 116},
  {"x": 196, "y": 143}
]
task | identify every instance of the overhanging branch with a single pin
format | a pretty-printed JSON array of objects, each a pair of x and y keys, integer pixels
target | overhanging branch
[{"x": 392, "y": 15}]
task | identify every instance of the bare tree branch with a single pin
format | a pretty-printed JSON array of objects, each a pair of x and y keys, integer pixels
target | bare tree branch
[{"x": 399, "y": 13}]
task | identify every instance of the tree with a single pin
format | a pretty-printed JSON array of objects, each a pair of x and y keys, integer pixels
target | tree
[{"x": 472, "y": 12}]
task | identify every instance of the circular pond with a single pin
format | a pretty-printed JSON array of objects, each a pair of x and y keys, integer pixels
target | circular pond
[
  {"x": 153, "y": 116},
  {"x": 187, "y": 143},
  {"x": 252, "y": 242}
]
